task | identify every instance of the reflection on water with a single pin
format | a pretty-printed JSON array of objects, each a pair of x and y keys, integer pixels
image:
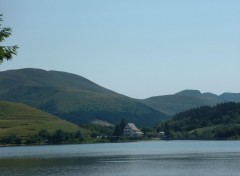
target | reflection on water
[{"x": 175, "y": 158}]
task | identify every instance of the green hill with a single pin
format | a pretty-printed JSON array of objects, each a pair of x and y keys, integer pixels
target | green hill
[
  {"x": 40, "y": 78},
  {"x": 187, "y": 99},
  {"x": 73, "y": 98},
  {"x": 23, "y": 121},
  {"x": 219, "y": 122}
]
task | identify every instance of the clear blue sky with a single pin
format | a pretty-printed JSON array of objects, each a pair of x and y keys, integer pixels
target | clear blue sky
[{"x": 139, "y": 48}]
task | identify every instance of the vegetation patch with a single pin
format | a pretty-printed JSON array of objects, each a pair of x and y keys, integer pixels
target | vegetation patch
[{"x": 219, "y": 122}]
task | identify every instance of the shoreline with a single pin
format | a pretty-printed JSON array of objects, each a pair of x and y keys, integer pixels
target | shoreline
[{"x": 126, "y": 141}]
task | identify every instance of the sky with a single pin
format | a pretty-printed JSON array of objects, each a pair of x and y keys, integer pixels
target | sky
[{"x": 139, "y": 48}]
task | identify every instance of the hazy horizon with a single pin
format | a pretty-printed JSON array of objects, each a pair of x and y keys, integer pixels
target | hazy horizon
[{"x": 136, "y": 48}]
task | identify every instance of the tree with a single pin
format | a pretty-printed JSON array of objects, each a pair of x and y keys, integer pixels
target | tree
[
  {"x": 118, "y": 131},
  {"x": 10, "y": 139},
  {"x": 58, "y": 136},
  {"x": 6, "y": 52},
  {"x": 44, "y": 135}
]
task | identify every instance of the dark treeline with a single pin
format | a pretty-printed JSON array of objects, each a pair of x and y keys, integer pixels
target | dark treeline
[
  {"x": 219, "y": 122},
  {"x": 93, "y": 134},
  {"x": 45, "y": 137}
]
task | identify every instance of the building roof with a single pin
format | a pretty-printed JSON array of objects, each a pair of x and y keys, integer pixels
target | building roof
[{"x": 132, "y": 126}]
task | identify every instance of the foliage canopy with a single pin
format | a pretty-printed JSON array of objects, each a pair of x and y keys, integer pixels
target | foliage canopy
[
  {"x": 219, "y": 122},
  {"x": 6, "y": 52}
]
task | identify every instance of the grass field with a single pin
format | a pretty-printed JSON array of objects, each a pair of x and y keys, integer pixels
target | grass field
[{"x": 23, "y": 121}]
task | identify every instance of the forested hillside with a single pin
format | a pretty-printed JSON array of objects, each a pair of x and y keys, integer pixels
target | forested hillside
[{"x": 219, "y": 122}]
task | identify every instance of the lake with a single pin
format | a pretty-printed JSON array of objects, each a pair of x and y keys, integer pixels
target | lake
[{"x": 152, "y": 158}]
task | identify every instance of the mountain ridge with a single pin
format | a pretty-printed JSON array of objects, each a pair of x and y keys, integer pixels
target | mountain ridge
[
  {"x": 40, "y": 77},
  {"x": 73, "y": 97},
  {"x": 187, "y": 99}
]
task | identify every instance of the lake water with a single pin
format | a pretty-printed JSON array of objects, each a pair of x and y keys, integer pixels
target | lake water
[{"x": 153, "y": 158}]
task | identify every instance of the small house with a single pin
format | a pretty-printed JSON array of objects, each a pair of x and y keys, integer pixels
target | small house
[
  {"x": 131, "y": 130},
  {"x": 162, "y": 135}
]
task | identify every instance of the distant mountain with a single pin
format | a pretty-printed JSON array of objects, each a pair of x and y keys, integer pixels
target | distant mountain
[
  {"x": 235, "y": 97},
  {"x": 191, "y": 93},
  {"x": 187, "y": 99},
  {"x": 73, "y": 98},
  {"x": 24, "y": 121},
  {"x": 218, "y": 122}
]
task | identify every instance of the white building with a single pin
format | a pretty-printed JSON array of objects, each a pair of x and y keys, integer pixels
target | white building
[{"x": 131, "y": 130}]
